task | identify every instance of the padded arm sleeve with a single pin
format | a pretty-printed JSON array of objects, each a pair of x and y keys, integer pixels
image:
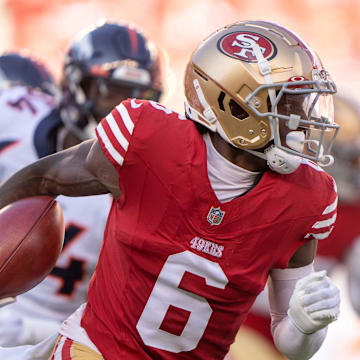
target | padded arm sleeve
[{"x": 289, "y": 340}]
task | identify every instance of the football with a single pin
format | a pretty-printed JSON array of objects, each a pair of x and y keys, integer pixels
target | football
[{"x": 31, "y": 239}]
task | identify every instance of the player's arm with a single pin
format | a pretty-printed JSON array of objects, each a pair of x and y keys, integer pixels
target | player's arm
[
  {"x": 302, "y": 304},
  {"x": 78, "y": 171}
]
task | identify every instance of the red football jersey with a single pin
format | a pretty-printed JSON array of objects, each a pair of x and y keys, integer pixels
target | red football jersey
[{"x": 179, "y": 270}]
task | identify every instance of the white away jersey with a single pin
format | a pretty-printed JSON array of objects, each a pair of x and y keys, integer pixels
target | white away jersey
[
  {"x": 66, "y": 287},
  {"x": 21, "y": 111}
]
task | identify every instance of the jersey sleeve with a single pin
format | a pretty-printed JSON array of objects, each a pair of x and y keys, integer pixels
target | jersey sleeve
[
  {"x": 115, "y": 131},
  {"x": 324, "y": 224}
]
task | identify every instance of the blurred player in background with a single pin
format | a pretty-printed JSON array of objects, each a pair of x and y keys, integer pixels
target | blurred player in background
[
  {"x": 28, "y": 94},
  {"x": 342, "y": 245},
  {"x": 104, "y": 66},
  {"x": 202, "y": 216}
]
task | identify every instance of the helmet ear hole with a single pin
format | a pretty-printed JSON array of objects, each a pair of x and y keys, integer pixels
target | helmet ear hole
[
  {"x": 237, "y": 111},
  {"x": 221, "y": 101}
]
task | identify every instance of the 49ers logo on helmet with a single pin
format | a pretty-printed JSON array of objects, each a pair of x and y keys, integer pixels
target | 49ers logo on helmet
[{"x": 240, "y": 45}]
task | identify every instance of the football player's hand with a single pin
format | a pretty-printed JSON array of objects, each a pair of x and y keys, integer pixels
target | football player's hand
[
  {"x": 7, "y": 301},
  {"x": 314, "y": 303}
]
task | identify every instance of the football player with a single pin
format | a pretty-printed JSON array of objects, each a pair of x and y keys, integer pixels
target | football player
[
  {"x": 206, "y": 206},
  {"x": 105, "y": 65},
  {"x": 343, "y": 244}
]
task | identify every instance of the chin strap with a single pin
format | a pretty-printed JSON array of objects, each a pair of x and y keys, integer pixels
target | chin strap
[
  {"x": 208, "y": 113},
  {"x": 279, "y": 160},
  {"x": 195, "y": 115},
  {"x": 208, "y": 116},
  {"x": 265, "y": 71}
]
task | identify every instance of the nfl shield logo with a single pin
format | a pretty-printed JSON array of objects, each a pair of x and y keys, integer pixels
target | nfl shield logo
[{"x": 215, "y": 216}]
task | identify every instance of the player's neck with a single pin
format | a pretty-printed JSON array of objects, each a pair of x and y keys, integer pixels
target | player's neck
[{"x": 238, "y": 157}]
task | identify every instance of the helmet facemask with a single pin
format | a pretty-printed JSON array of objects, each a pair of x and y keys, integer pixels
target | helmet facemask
[{"x": 305, "y": 106}]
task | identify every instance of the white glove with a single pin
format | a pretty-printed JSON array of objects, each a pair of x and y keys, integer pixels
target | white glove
[
  {"x": 314, "y": 303},
  {"x": 7, "y": 301}
]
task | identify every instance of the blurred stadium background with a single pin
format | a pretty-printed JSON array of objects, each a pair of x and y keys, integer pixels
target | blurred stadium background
[{"x": 329, "y": 26}]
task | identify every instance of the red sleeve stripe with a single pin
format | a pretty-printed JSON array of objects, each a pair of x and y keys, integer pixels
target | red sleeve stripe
[
  {"x": 66, "y": 351},
  {"x": 125, "y": 117},
  {"x": 115, "y": 132},
  {"x": 325, "y": 223},
  {"x": 58, "y": 349},
  {"x": 120, "y": 123},
  {"x": 109, "y": 147},
  {"x": 113, "y": 140},
  {"x": 115, "y": 129}
]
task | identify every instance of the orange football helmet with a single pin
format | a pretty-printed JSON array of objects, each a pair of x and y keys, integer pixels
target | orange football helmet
[{"x": 247, "y": 77}]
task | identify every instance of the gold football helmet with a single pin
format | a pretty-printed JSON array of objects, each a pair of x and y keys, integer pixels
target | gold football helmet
[
  {"x": 346, "y": 150},
  {"x": 247, "y": 77}
]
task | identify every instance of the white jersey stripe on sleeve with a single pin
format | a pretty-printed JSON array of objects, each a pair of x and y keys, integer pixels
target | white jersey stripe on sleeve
[
  {"x": 109, "y": 147},
  {"x": 117, "y": 132},
  {"x": 126, "y": 117},
  {"x": 325, "y": 223},
  {"x": 335, "y": 187},
  {"x": 331, "y": 207},
  {"x": 320, "y": 236}
]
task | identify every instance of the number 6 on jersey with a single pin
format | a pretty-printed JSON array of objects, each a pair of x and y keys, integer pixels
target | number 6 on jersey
[{"x": 166, "y": 292}]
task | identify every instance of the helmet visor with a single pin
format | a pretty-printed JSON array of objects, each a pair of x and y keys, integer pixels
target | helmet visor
[
  {"x": 314, "y": 109},
  {"x": 105, "y": 94}
]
